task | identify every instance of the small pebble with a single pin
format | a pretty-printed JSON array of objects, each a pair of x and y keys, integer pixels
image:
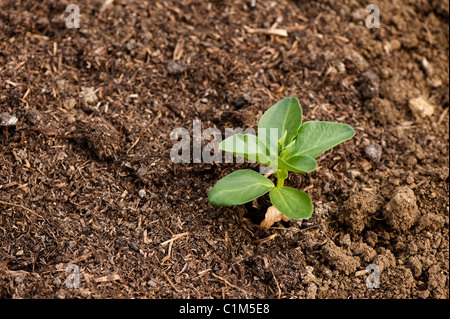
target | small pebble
[
  {"x": 341, "y": 67},
  {"x": 7, "y": 119},
  {"x": 175, "y": 67},
  {"x": 427, "y": 67},
  {"x": 130, "y": 45},
  {"x": 392, "y": 46},
  {"x": 57, "y": 281},
  {"x": 142, "y": 193},
  {"x": 369, "y": 85},
  {"x": 410, "y": 179},
  {"x": 423, "y": 294},
  {"x": 60, "y": 295},
  {"x": 420, "y": 107},
  {"x": 141, "y": 171},
  {"x": 241, "y": 100},
  {"x": 89, "y": 96},
  {"x": 373, "y": 152},
  {"x": 33, "y": 116}
]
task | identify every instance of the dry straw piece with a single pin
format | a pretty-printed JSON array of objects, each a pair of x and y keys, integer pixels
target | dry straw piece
[{"x": 273, "y": 215}]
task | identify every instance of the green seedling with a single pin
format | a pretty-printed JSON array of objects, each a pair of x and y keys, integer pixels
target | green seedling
[{"x": 284, "y": 144}]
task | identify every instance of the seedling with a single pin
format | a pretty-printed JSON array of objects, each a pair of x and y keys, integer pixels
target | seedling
[{"x": 286, "y": 145}]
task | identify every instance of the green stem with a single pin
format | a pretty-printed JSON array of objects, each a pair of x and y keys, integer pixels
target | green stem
[{"x": 281, "y": 176}]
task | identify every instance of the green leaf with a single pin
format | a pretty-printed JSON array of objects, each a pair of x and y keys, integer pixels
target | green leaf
[
  {"x": 316, "y": 137},
  {"x": 239, "y": 188},
  {"x": 291, "y": 202},
  {"x": 286, "y": 117},
  {"x": 247, "y": 146},
  {"x": 298, "y": 164}
]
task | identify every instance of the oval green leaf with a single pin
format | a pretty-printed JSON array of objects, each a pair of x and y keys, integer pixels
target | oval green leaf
[
  {"x": 239, "y": 187},
  {"x": 291, "y": 202},
  {"x": 298, "y": 164},
  {"x": 316, "y": 137},
  {"x": 286, "y": 117}
]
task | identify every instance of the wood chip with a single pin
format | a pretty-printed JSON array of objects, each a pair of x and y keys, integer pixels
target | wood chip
[
  {"x": 361, "y": 273},
  {"x": 111, "y": 277},
  {"x": 271, "y": 31},
  {"x": 179, "y": 49},
  {"x": 228, "y": 283},
  {"x": 264, "y": 240},
  {"x": 174, "y": 237}
]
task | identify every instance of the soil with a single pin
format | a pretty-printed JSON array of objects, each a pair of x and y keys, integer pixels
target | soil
[{"x": 88, "y": 190}]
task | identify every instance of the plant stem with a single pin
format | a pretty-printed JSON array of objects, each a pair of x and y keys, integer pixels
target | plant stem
[
  {"x": 281, "y": 176},
  {"x": 280, "y": 182}
]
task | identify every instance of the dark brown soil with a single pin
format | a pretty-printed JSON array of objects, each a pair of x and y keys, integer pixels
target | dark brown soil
[{"x": 86, "y": 177}]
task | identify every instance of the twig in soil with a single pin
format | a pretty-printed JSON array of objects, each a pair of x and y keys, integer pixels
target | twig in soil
[
  {"x": 170, "y": 242},
  {"x": 182, "y": 270},
  {"x": 174, "y": 237},
  {"x": 169, "y": 253},
  {"x": 203, "y": 271},
  {"x": 276, "y": 282},
  {"x": 170, "y": 282},
  {"x": 133, "y": 145},
  {"x": 237, "y": 66},
  {"x": 111, "y": 277},
  {"x": 264, "y": 240},
  {"x": 442, "y": 116},
  {"x": 23, "y": 207},
  {"x": 81, "y": 258},
  {"x": 361, "y": 272},
  {"x": 418, "y": 184},
  {"x": 178, "y": 51},
  {"x": 303, "y": 229},
  {"x": 228, "y": 283},
  {"x": 279, "y": 32}
]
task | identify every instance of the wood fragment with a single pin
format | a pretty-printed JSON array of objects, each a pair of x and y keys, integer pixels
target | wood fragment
[
  {"x": 81, "y": 258},
  {"x": 169, "y": 253},
  {"x": 146, "y": 239},
  {"x": 179, "y": 49},
  {"x": 203, "y": 271},
  {"x": 134, "y": 144},
  {"x": 228, "y": 283},
  {"x": 442, "y": 116},
  {"x": 12, "y": 83},
  {"x": 170, "y": 282},
  {"x": 174, "y": 237},
  {"x": 233, "y": 69},
  {"x": 265, "y": 239},
  {"x": 276, "y": 282},
  {"x": 361, "y": 272},
  {"x": 23, "y": 207},
  {"x": 111, "y": 277},
  {"x": 279, "y": 90},
  {"x": 271, "y": 31}
]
